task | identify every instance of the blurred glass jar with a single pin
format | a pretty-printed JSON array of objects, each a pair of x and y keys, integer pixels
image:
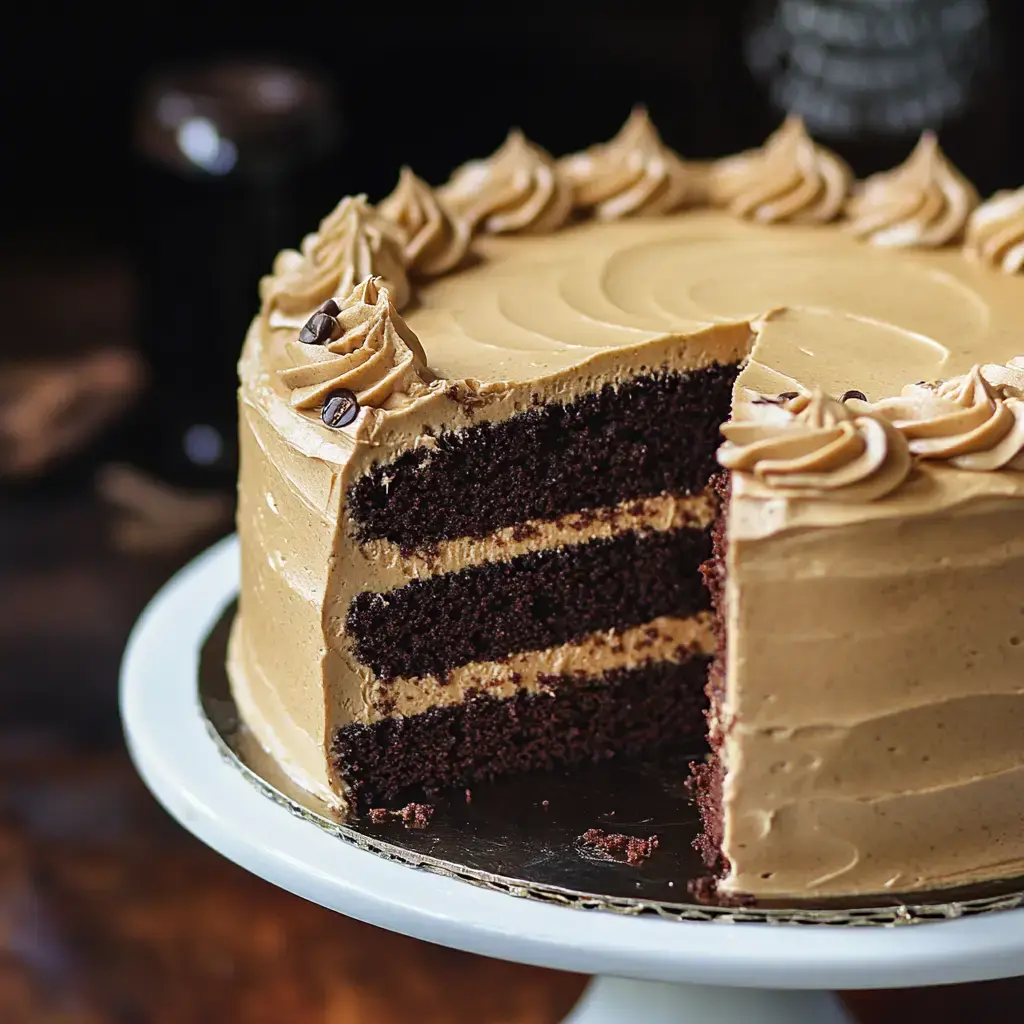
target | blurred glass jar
[{"x": 226, "y": 150}]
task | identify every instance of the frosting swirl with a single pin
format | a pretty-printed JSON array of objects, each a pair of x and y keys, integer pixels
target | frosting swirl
[
  {"x": 995, "y": 232},
  {"x": 371, "y": 351},
  {"x": 352, "y": 243},
  {"x": 517, "y": 188},
  {"x": 923, "y": 202},
  {"x": 790, "y": 178},
  {"x": 962, "y": 421},
  {"x": 633, "y": 174},
  {"x": 435, "y": 241},
  {"x": 812, "y": 446}
]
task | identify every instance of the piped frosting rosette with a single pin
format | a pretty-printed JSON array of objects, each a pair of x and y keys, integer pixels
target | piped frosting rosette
[
  {"x": 359, "y": 344},
  {"x": 924, "y": 202},
  {"x": 995, "y": 232},
  {"x": 352, "y": 243},
  {"x": 435, "y": 241},
  {"x": 812, "y": 446},
  {"x": 964, "y": 421},
  {"x": 790, "y": 178},
  {"x": 633, "y": 174},
  {"x": 517, "y": 188}
]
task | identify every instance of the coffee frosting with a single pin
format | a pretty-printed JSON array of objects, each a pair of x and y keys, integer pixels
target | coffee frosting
[
  {"x": 790, "y": 178},
  {"x": 435, "y": 240},
  {"x": 962, "y": 421},
  {"x": 352, "y": 243},
  {"x": 924, "y": 202},
  {"x": 371, "y": 352},
  {"x": 832, "y": 612},
  {"x": 814, "y": 447},
  {"x": 634, "y": 174},
  {"x": 516, "y": 189},
  {"x": 995, "y": 232}
]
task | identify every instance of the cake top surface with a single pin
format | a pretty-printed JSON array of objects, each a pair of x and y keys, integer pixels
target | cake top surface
[
  {"x": 831, "y": 312},
  {"x": 527, "y": 279}
]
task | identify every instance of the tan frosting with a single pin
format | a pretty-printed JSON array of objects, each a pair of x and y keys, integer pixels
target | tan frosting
[
  {"x": 995, "y": 232},
  {"x": 435, "y": 240},
  {"x": 962, "y": 421},
  {"x": 372, "y": 353},
  {"x": 634, "y": 174},
  {"x": 812, "y": 447},
  {"x": 790, "y": 178},
  {"x": 902, "y": 612},
  {"x": 923, "y": 202},
  {"x": 516, "y": 189},
  {"x": 872, "y": 723},
  {"x": 352, "y": 243}
]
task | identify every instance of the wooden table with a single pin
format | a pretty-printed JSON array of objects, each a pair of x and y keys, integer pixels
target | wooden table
[{"x": 112, "y": 914}]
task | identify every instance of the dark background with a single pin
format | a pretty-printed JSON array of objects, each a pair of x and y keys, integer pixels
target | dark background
[{"x": 108, "y": 913}]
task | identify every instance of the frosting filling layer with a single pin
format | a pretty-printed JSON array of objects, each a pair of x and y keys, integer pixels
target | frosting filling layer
[{"x": 663, "y": 639}]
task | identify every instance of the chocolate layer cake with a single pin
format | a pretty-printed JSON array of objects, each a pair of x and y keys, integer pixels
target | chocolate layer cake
[{"x": 489, "y": 523}]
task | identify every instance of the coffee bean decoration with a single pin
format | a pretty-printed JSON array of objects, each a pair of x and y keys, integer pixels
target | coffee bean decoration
[
  {"x": 318, "y": 330},
  {"x": 341, "y": 408},
  {"x": 848, "y": 395},
  {"x": 330, "y": 307}
]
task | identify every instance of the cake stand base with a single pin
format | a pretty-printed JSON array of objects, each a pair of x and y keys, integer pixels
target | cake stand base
[
  {"x": 614, "y": 1000},
  {"x": 687, "y": 970}
]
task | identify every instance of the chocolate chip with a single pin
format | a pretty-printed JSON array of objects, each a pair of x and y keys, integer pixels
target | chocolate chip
[
  {"x": 330, "y": 307},
  {"x": 859, "y": 395},
  {"x": 318, "y": 330},
  {"x": 341, "y": 407},
  {"x": 787, "y": 395}
]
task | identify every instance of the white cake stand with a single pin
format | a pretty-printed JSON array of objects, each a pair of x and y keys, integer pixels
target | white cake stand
[{"x": 647, "y": 969}]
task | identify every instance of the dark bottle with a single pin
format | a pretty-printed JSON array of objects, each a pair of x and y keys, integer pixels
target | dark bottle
[{"x": 223, "y": 151}]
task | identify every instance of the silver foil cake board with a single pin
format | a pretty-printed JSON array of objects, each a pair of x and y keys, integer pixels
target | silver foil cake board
[{"x": 522, "y": 834}]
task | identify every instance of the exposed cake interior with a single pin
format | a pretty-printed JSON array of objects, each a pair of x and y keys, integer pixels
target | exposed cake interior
[{"x": 558, "y": 612}]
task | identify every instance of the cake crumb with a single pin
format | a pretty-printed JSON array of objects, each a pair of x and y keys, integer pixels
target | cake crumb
[
  {"x": 632, "y": 849},
  {"x": 412, "y": 815},
  {"x": 416, "y": 815}
]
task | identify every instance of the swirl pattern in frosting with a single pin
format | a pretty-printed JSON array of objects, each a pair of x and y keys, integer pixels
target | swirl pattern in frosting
[
  {"x": 370, "y": 351},
  {"x": 964, "y": 421},
  {"x": 812, "y": 446},
  {"x": 790, "y": 178},
  {"x": 352, "y": 243},
  {"x": 634, "y": 174},
  {"x": 517, "y": 188},
  {"x": 995, "y": 232},
  {"x": 924, "y": 202},
  {"x": 436, "y": 241}
]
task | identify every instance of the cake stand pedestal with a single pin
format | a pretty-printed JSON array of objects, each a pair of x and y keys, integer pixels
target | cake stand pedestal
[{"x": 646, "y": 968}]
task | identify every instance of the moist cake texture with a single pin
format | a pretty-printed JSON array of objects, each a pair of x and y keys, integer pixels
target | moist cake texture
[{"x": 489, "y": 523}]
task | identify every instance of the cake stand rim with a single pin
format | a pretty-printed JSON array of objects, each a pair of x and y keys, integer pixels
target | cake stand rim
[{"x": 169, "y": 743}]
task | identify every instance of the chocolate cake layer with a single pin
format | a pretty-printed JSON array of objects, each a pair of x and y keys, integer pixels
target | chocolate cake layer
[
  {"x": 632, "y": 440},
  {"x": 537, "y": 600},
  {"x": 645, "y": 711}
]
